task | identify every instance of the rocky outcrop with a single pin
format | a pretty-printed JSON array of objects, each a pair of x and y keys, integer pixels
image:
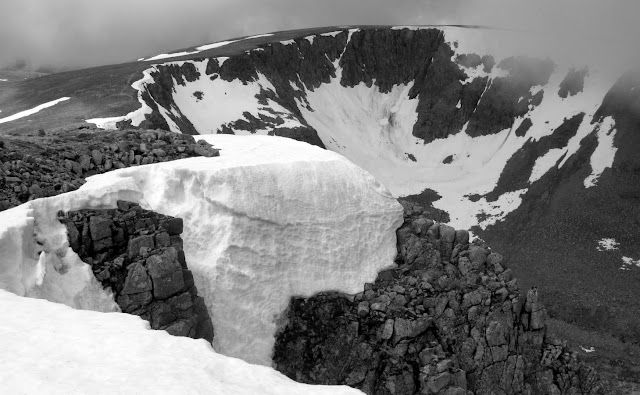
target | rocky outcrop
[
  {"x": 138, "y": 255},
  {"x": 449, "y": 319},
  {"x": 52, "y": 164}
]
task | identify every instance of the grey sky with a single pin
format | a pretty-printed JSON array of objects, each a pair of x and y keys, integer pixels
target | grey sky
[{"x": 77, "y": 33}]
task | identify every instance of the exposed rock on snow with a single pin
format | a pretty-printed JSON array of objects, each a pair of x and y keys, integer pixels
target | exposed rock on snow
[
  {"x": 138, "y": 255},
  {"x": 48, "y": 347},
  {"x": 450, "y": 319},
  {"x": 269, "y": 219}
]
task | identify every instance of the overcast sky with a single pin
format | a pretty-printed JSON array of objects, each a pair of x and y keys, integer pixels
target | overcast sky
[{"x": 78, "y": 33}]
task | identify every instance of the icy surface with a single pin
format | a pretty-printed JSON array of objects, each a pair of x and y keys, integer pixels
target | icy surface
[
  {"x": 269, "y": 219},
  {"x": 48, "y": 347},
  {"x": 604, "y": 153},
  {"x": 32, "y": 111}
]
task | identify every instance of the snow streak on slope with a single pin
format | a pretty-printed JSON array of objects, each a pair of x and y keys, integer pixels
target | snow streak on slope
[
  {"x": 269, "y": 219},
  {"x": 605, "y": 152},
  {"x": 32, "y": 111},
  {"x": 185, "y": 53},
  {"x": 47, "y": 347}
]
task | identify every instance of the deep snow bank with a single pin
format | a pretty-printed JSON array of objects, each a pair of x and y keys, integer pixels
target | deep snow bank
[
  {"x": 269, "y": 219},
  {"x": 52, "y": 348}
]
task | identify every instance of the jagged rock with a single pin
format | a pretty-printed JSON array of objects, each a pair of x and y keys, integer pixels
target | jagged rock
[
  {"x": 458, "y": 330},
  {"x": 166, "y": 273},
  {"x": 143, "y": 264}
]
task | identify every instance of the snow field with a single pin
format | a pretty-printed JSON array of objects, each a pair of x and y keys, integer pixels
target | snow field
[{"x": 49, "y": 347}]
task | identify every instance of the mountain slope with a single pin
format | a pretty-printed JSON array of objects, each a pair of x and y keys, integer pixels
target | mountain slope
[{"x": 537, "y": 156}]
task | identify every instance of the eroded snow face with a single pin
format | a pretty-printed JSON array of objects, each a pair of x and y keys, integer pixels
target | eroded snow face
[
  {"x": 53, "y": 348},
  {"x": 269, "y": 219},
  {"x": 36, "y": 260}
]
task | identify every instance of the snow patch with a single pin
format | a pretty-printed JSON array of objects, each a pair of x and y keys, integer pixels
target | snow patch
[
  {"x": 259, "y": 35},
  {"x": 32, "y": 111},
  {"x": 604, "y": 153},
  {"x": 544, "y": 163},
  {"x": 607, "y": 244},
  {"x": 170, "y": 55},
  {"x": 588, "y": 350},
  {"x": 215, "y": 45},
  {"x": 185, "y": 53},
  {"x": 628, "y": 263},
  {"x": 52, "y": 348}
]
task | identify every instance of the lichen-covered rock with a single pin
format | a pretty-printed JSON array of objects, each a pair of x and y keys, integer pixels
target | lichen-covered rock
[
  {"x": 143, "y": 264},
  {"x": 446, "y": 325}
]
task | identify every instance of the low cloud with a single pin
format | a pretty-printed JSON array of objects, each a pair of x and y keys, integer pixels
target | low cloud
[{"x": 79, "y": 33}]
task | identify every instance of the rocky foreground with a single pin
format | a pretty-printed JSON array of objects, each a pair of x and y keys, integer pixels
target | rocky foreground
[
  {"x": 50, "y": 164},
  {"x": 449, "y": 319}
]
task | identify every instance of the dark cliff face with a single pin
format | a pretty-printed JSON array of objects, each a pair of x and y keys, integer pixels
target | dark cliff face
[
  {"x": 381, "y": 57},
  {"x": 138, "y": 255},
  {"x": 449, "y": 319}
]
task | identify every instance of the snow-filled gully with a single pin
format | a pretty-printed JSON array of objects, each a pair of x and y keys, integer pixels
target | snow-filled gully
[{"x": 270, "y": 219}]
